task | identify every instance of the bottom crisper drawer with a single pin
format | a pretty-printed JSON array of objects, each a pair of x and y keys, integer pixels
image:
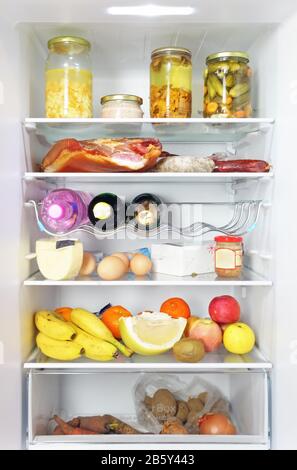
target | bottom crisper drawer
[{"x": 77, "y": 393}]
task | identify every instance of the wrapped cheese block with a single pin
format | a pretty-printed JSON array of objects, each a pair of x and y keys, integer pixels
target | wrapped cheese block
[
  {"x": 59, "y": 259},
  {"x": 182, "y": 260}
]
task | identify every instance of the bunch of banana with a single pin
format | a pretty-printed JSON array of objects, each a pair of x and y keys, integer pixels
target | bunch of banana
[
  {"x": 95, "y": 348},
  {"x": 65, "y": 341},
  {"x": 58, "y": 349},
  {"x": 88, "y": 322}
]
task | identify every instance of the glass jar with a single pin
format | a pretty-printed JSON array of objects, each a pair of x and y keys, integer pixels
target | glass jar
[
  {"x": 227, "y": 85},
  {"x": 121, "y": 106},
  {"x": 171, "y": 83},
  {"x": 228, "y": 256},
  {"x": 68, "y": 78}
]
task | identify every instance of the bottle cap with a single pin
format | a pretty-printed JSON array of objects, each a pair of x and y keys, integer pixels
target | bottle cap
[{"x": 55, "y": 211}]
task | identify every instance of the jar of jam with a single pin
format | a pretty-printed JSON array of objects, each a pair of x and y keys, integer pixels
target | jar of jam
[{"x": 228, "y": 256}]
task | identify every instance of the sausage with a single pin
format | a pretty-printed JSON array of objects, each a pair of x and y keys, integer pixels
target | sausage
[{"x": 241, "y": 166}]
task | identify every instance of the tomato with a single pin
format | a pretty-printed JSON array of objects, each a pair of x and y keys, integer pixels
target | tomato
[
  {"x": 65, "y": 312},
  {"x": 176, "y": 308},
  {"x": 111, "y": 316}
]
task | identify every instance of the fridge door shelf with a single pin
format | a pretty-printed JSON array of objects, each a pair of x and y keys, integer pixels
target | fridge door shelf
[
  {"x": 84, "y": 393},
  {"x": 247, "y": 278},
  {"x": 219, "y": 360},
  {"x": 168, "y": 130},
  {"x": 243, "y": 221}
]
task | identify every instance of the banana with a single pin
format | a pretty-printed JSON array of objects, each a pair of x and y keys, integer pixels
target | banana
[
  {"x": 88, "y": 322},
  {"x": 61, "y": 350},
  {"x": 53, "y": 326},
  {"x": 95, "y": 348}
]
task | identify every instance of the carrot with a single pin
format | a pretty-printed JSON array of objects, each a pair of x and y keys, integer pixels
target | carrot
[
  {"x": 65, "y": 312},
  {"x": 212, "y": 107},
  {"x": 71, "y": 430},
  {"x": 74, "y": 422},
  {"x": 97, "y": 424},
  {"x": 58, "y": 431},
  {"x": 239, "y": 114}
]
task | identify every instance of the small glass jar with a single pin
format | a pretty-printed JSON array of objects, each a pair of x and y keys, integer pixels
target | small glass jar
[
  {"x": 121, "y": 106},
  {"x": 171, "y": 83},
  {"x": 227, "y": 85},
  {"x": 228, "y": 256},
  {"x": 68, "y": 78}
]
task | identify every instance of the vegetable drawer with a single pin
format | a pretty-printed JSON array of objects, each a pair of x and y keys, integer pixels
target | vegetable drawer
[{"x": 87, "y": 393}]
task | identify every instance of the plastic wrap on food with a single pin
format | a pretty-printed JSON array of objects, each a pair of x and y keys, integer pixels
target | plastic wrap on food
[
  {"x": 160, "y": 400},
  {"x": 185, "y": 164}
]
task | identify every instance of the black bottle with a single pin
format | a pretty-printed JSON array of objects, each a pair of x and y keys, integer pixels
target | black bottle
[
  {"x": 107, "y": 211},
  {"x": 145, "y": 209}
]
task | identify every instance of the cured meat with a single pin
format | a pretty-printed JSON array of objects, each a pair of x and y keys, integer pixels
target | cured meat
[
  {"x": 241, "y": 166},
  {"x": 102, "y": 155}
]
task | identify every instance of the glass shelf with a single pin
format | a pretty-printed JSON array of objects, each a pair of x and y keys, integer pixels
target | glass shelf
[
  {"x": 220, "y": 359},
  {"x": 149, "y": 177},
  {"x": 167, "y": 130},
  {"x": 247, "y": 278}
]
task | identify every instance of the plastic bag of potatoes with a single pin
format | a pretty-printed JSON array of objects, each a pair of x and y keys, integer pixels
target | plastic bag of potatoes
[{"x": 168, "y": 405}]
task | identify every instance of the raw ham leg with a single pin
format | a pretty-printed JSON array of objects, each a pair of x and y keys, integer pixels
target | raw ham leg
[{"x": 102, "y": 155}]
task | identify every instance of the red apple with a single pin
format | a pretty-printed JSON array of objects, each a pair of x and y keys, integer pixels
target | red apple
[
  {"x": 208, "y": 332},
  {"x": 224, "y": 309}
]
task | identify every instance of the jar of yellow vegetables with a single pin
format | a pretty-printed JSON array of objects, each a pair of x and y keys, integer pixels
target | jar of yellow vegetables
[
  {"x": 227, "y": 85},
  {"x": 68, "y": 78},
  {"x": 171, "y": 83}
]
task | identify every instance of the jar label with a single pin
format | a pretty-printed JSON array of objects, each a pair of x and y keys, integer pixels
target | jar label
[{"x": 228, "y": 259}]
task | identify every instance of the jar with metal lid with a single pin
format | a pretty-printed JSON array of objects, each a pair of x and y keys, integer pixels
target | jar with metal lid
[
  {"x": 121, "y": 106},
  {"x": 228, "y": 256},
  {"x": 171, "y": 83},
  {"x": 227, "y": 85},
  {"x": 68, "y": 78}
]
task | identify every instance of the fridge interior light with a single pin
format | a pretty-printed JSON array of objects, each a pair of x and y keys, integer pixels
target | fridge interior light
[{"x": 150, "y": 10}]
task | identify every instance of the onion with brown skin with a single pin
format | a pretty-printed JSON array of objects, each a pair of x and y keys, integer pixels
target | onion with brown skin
[{"x": 216, "y": 424}]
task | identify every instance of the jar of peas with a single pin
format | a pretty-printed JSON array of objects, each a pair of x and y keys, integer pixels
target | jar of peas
[{"x": 227, "y": 85}]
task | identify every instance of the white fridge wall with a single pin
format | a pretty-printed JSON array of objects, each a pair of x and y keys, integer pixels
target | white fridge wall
[{"x": 15, "y": 105}]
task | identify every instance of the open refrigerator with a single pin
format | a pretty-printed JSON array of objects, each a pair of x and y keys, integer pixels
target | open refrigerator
[{"x": 262, "y": 388}]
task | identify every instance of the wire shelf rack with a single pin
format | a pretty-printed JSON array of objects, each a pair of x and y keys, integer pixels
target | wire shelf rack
[{"x": 243, "y": 221}]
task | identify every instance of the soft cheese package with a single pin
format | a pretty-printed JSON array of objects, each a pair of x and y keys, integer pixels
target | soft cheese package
[
  {"x": 183, "y": 260},
  {"x": 59, "y": 259}
]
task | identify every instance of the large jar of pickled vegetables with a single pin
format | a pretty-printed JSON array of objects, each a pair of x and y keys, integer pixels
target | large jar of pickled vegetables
[
  {"x": 227, "y": 85},
  {"x": 171, "y": 83},
  {"x": 68, "y": 78}
]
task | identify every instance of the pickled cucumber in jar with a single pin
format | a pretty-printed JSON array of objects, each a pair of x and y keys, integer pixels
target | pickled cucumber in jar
[
  {"x": 227, "y": 85},
  {"x": 171, "y": 83}
]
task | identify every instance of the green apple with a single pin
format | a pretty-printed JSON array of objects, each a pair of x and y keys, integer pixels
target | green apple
[{"x": 239, "y": 338}]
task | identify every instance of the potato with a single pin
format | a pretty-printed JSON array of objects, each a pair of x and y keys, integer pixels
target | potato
[
  {"x": 182, "y": 411},
  {"x": 164, "y": 404}
]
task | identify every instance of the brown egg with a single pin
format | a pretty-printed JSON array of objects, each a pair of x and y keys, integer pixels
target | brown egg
[
  {"x": 124, "y": 258},
  {"x": 140, "y": 264},
  {"x": 88, "y": 265},
  {"x": 111, "y": 268}
]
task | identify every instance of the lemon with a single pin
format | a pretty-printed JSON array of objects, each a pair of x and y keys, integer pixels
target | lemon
[{"x": 151, "y": 333}]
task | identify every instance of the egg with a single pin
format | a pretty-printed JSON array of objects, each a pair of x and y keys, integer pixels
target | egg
[
  {"x": 88, "y": 265},
  {"x": 124, "y": 258},
  {"x": 140, "y": 264},
  {"x": 111, "y": 268}
]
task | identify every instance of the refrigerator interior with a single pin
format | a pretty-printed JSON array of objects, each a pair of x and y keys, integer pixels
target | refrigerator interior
[{"x": 121, "y": 54}]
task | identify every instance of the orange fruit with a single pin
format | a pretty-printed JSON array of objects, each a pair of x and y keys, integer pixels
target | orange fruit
[
  {"x": 176, "y": 308},
  {"x": 111, "y": 316},
  {"x": 65, "y": 312}
]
